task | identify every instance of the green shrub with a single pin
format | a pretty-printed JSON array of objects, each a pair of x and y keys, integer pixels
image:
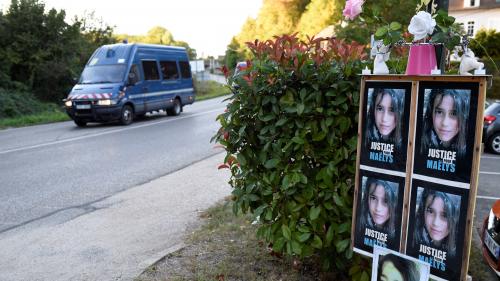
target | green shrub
[
  {"x": 16, "y": 103},
  {"x": 290, "y": 132}
]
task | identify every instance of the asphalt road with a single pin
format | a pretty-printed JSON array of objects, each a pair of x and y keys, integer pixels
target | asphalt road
[{"x": 58, "y": 170}]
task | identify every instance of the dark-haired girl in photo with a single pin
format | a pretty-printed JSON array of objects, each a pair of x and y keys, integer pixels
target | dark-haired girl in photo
[
  {"x": 385, "y": 113},
  {"x": 378, "y": 206},
  {"x": 445, "y": 121},
  {"x": 437, "y": 221},
  {"x": 394, "y": 268}
]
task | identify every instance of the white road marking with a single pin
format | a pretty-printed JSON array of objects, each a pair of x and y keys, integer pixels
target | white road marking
[
  {"x": 489, "y": 173},
  {"x": 107, "y": 132},
  {"x": 488, "y": 197},
  {"x": 490, "y": 157}
]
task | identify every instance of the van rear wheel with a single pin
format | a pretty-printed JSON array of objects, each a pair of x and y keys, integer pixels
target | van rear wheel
[
  {"x": 127, "y": 115},
  {"x": 176, "y": 109}
]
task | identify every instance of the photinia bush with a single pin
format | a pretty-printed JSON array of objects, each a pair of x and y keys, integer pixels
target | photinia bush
[{"x": 290, "y": 132}]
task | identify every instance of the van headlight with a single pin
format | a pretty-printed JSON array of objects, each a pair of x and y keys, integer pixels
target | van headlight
[
  {"x": 68, "y": 103},
  {"x": 105, "y": 102}
]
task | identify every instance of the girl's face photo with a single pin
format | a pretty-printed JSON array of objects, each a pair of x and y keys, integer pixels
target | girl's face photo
[
  {"x": 385, "y": 118},
  {"x": 436, "y": 219},
  {"x": 390, "y": 273},
  {"x": 444, "y": 117},
  {"x": 377, "y": 203}
]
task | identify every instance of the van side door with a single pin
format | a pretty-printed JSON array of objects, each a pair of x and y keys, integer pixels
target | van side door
[
  {"x": 152, "y": 85},
  {"x": 170, "y": 80}
]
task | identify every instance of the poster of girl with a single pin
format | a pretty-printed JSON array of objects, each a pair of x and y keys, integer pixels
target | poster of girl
[
  {"x": 435, "y": 229},
  {"x": 445, "y": 133},
  {"x": 378, "y": 213},
  {"x": 386, "y": 125},
  {"x": 393, "y": 266}
]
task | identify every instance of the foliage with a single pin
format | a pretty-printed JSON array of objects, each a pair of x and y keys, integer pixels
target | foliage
[
  {"x": 18, "y": 103},
  {"x": 157, "y": 35},
  {"x": 490, "y": 39},
  {"x": 290, "y": 134},
  {"x": 232, "y": 56},
  {"x": 42, "y": 52},
  {"x": 318, "y": 15},
  {"x": 445, "y": 32},
  {"x": 376, "y": 14}
]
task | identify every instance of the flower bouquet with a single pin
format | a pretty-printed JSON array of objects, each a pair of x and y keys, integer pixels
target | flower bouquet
[{"x": 429, "y": 29}]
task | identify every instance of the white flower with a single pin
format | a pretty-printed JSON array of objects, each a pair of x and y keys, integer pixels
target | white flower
[{"x": 421, "y": 24}]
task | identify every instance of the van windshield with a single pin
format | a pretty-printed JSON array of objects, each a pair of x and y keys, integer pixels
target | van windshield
[{"x": 103, "y": 74}]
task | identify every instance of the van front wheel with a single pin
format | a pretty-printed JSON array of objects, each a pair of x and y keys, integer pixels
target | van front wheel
[
  {"x": 176, "y": 109},
  {"x": 80, "y": 123},
  {"x": 127, "y": 115}
]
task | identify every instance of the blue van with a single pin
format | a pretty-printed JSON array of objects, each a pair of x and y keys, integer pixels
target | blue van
[{"x": 123, "y": 81}]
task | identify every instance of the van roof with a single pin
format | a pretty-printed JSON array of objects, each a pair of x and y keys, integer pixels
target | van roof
[
  {"x": 120, "y": 52},
  {"x": 143, "y": 45}
]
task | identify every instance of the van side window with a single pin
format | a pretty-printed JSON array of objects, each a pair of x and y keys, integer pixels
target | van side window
[
  {"x": 133, "y": 75},
  {"x": 150, "y": 70},
  {"x": 185, "y": 69},
  {"x": 169, "y": 70}
]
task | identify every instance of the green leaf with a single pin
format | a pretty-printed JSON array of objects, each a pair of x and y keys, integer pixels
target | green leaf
[
  {"x": 241, "y": 159},
  {"x": 286, "y": 232},
  {"x": 317, "y": 243},
  {"x": 395, "y": 25},
  {"x": 271, "y": 163},
  {"x": 278, "y": 244},
  {"x": 342, "y": 245},
  {"x": 300, "y": 108},
  {"x": 344, "y": 227},
  {"x": 314, "y": 212},
  {"x": 381, "y": 31},
  {"x": 329, "y": 235},
  {"x": 304, "y": 236},
  {"x": 338, "y": 200},
  {"x": 298, "y": 140},
  {"x": 281, "y": 122},
  {"x": 364, "y": 276},
  {"x": 296, "y": 247}
]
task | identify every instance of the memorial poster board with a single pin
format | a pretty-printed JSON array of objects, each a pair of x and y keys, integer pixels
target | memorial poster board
[{"x": 419, "y": 137}]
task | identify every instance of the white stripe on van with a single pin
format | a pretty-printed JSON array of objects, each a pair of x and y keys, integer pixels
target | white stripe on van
[{"x": 154, "y": 94}]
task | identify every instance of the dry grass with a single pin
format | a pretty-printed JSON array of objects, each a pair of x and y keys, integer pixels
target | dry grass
[{"x": 224, "y": 249}]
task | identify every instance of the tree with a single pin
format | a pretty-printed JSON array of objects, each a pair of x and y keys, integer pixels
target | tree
[
  {"x": 318, "y": 15},
  {"x": 191, "y": 52},
  {"x": 159, "y": 35},
  {"x": 490, "y": 40},
  {"x": 232, "y": 56}
]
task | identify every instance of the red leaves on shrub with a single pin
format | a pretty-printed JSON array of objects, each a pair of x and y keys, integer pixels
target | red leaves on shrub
[
  {"x": 225, "y": 71},
  {"x": 223, "y": 166},
  {"x": 291, "y": 53}
]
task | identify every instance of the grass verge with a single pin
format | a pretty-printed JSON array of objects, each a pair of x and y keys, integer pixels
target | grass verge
[
  {"x": 210, "y": 89},
  {"x": 225, "y": 248},
  {"x": 204, "y": 90},
  {"x": 34, "y": 119}
]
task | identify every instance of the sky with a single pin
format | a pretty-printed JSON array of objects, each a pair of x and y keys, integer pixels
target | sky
[{"x": 206, "y": 25}]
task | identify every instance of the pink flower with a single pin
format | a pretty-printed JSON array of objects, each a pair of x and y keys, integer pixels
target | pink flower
[{"x": 353, "y": 8}]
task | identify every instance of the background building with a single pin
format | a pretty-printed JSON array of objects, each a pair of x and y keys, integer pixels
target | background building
[{"x": 476, "y": 14}]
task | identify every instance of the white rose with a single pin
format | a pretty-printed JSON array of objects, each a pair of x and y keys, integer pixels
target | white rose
[{"x": 421, "y": 24}]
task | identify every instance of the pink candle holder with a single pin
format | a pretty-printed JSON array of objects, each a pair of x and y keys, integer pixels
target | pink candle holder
[{"x": 421, "y": 60}]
